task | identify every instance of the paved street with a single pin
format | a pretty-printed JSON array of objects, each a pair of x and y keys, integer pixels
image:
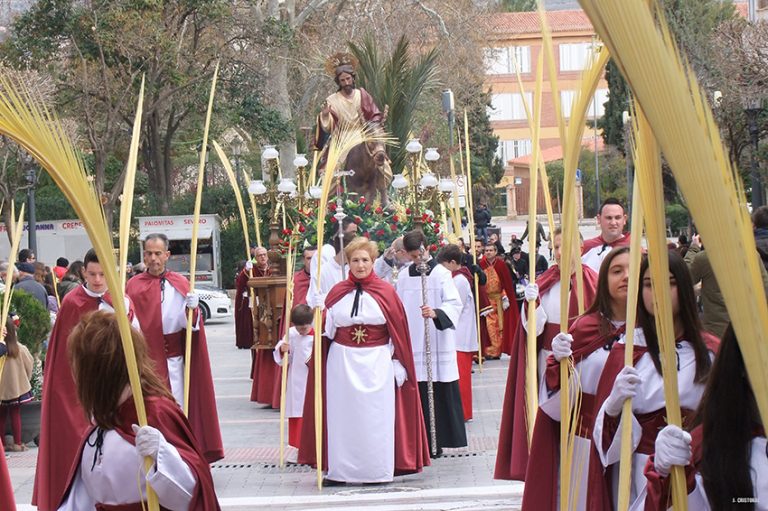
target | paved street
[{"x": 249, "y": 477}]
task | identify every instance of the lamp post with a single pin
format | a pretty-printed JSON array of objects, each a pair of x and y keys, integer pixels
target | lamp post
[
  {"x": 625, "y": 119},
  {"x": 237, "y": 150},
  {"x": 31, "y": 176},
  {"x": 753, "y": 107},
  {"x": 199, "y": 148},
  {"x": 448, "y": 109}
]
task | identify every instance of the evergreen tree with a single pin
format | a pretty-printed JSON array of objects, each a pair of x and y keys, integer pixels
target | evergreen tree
[{"x": 618, "y": 101}]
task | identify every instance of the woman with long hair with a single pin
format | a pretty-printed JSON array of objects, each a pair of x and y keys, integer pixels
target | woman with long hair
[
  {"x": 589, "y": 341},
  {"x": 112, "y": 451},
  {"x": 643, "y": 382},
  {"x": 725, "y": 455}
]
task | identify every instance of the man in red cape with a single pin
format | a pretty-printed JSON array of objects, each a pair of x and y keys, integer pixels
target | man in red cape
[
  {"x": 243, "y": 310},
  {"x": 263, "y": 368},
  {"x": 500, "y": 289},
  {"x": 611, "y": 219},
  {"x": 153, "y": 291},
  {"x": 512, "y": 454},
  {"x": 168, "y": 418},
  {"x": 411, "y": 448},
  {"x": 63, "y": 420}
]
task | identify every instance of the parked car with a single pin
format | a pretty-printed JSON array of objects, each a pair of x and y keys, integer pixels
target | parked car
[{"x": 214, "y": 302}]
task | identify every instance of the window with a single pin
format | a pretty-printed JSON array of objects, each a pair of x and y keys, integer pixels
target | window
[
  {"x": 573, "y": 56},
  {"x": 509, "y": 106},
  {"x": 502, "y": 61},
  {"x": 568, "y": 97},
  {"x": 511, "y": 149}
]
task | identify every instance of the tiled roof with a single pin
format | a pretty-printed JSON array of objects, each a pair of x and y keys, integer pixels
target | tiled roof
[
  {"x": 515, "y": 23},
  {"x": 518, "y": 23},
  {"x": 556, "y": 153}
]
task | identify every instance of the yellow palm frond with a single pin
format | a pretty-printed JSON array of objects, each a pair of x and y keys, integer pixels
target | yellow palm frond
[{"x": 126, "y": 206}]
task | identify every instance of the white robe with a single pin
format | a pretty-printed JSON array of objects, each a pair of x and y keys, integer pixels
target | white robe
[
  {"x": 387, "y": 272},
  {"x": 119, "y": 470},
  {"x": 466, "y": 328},
  {"x": 104, "y": 306},
  {"x": 330, "y": 275},
  {"x": 360, "y": 399},
  {"x": 298, "y": 357},
  {"x": 548, "y": 311},
  {"x": 649, "y": 398},
  {"x": 441, "y": 294},
  {"x": 588, "y": 371},
  {"x": 174, "y": 313}
]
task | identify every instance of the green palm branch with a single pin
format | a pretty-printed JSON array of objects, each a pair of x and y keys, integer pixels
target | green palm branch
[{"x": 398, "y": 83}]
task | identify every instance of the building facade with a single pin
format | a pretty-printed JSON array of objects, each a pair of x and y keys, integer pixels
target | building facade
[{"x": 514, "y": 43}]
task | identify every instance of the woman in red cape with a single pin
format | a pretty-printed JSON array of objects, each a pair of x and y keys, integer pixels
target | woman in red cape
[
  {"x": 512, "y": 453},
  {"x": 726, "y": 454},
  {"x": 112, "y": 451},
  {"x": 6, "y": 490},
  {"x": 644, "y": 383},
  {"x": 589, "y": 341},
  {"x": 350, "y": 345}
]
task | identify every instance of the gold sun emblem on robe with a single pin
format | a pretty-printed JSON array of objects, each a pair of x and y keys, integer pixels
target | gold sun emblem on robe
[{"x": 359, "y": 334}]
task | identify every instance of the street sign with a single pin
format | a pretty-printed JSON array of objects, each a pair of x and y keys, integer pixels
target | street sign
[{"x": 578, "y": 175}]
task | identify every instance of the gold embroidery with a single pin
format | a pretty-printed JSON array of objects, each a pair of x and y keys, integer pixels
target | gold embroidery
[{"x": 359, "y": 334}]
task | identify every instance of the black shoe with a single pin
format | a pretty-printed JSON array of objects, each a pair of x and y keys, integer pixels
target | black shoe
[
  {"x": 331, "y": 482},
  {"x": 439, "y": 453}
]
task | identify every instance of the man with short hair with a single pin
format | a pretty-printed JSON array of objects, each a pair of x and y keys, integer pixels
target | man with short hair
[
  {"x": 502, "y": 320},
  {"x": 442, "y": 311},
  {"x": 611, "y": 218},
  {"x": 26, "y": 255},
  {"x": 394, "y": 259},
  {"x": 162, "y": 299},
  {"x": 28, "y": 283},
  {"x": 62, "y": 263},
  {"x": 63, "y": 421}
]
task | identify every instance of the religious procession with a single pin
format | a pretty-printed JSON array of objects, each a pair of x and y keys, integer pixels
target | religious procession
[{"x": 397, "y": 336}]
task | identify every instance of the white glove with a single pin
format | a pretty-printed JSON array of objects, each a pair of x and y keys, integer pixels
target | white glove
[
  {"x": 192, "y": 300},
  {"x": 504, "y": 302},
  {"x": 401, "y": 376},
  {"x": 531, "y": 292},
  {"x": 248, "y": 266},
  {"x": 673, "y": 447},
  {"x": 486, "y": 312},
  {"x": 147, "y": 441},
  {"x": 625, "y": 387},
  {"x": 561, "y": 346}
]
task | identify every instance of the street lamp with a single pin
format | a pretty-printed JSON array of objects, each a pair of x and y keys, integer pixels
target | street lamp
[
  {"x": 199, "y": 149},
  {"x": 448, "y": 109},
  {"x": 753, "y": 107},
  {"x": 625, "y": 120},
  {"x": 237, "y": 150},
  {"x": 31, "y": 177}
]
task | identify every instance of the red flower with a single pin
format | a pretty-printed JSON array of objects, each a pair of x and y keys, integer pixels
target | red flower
[
  {"x": 378, "y": 210},
  {"x": 432, "y": 247},
  {"x": 437, "y": 229},
  {"x": 287, "y": 232},
  {"x": 395, "y": 218},
  {"x": 367, "y": 207},
  {"x": 393, "y": 227},
  {"x": 407, "y": 211},
  {"x": 362, "y": 200},
  {"x": 333, "y": 220},
  {"x": 358, "y": 220},
  {"x": 379, "y": 233},
  {"x": 302, "y": 228},
  {"x": 424, "y": 217},
  {"x": 367, "y": 235},
  {"x": 332, "y": 206}
]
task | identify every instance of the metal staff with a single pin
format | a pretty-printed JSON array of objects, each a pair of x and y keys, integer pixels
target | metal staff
[
  {"x": 423, "y": 269},
  {"x": 339, "y": 215}
]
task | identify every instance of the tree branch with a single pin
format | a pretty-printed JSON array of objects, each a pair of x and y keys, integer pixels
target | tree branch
[
  {"x": 313, "y": 6},
  {"x": 433, "y": 14}
]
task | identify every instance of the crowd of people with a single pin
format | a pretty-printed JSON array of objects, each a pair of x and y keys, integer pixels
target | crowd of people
[
  {"x": 400, "y": 332},
  {"x": 376, "y": 371}
]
